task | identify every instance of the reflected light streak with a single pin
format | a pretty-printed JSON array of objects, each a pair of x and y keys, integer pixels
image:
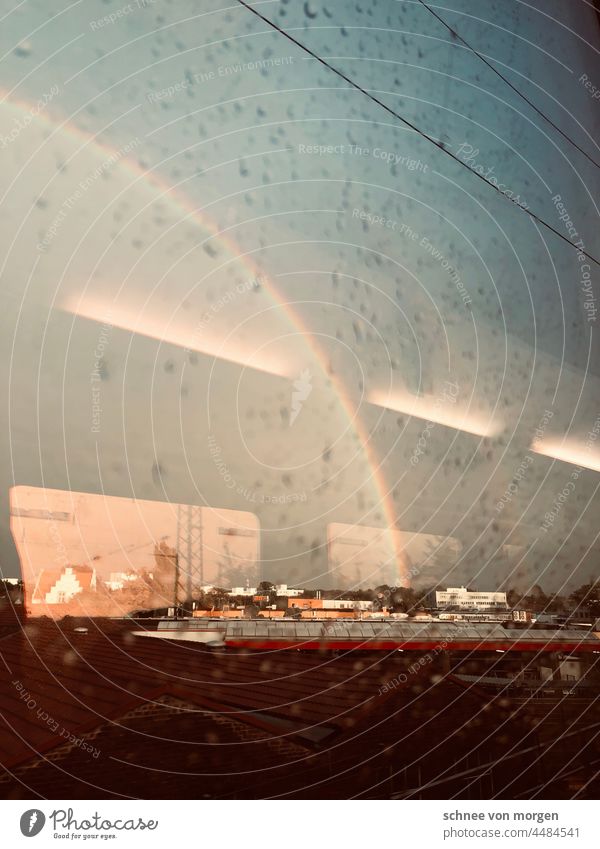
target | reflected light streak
[
  {"x": 440, "y": 409},
  {"x": 163, "y": 330},
  {"x": 576, "y": 455}
]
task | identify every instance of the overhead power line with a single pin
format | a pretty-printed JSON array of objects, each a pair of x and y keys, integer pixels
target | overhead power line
[
  {"x": 508, "y": 83},
  {"x": 416, "y": 129}
]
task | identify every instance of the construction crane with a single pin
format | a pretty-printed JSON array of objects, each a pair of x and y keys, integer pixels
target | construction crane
[{"x": 128, "y": 548}]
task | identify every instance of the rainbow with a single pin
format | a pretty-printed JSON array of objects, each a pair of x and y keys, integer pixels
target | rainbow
[{"x": 181, "y": 204}]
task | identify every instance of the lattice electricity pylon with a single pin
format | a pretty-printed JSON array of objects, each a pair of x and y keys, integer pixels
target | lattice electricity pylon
[{"x": 189, "y": 564}]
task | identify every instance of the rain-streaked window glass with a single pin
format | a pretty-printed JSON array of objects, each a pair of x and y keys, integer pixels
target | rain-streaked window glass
[{"x": 300, "y": 400}]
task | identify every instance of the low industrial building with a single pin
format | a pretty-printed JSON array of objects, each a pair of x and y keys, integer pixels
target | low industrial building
[{"x": 331, "y": 604}]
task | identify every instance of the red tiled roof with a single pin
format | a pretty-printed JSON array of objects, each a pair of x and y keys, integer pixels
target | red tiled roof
[
  {"x": 85, "y": 679},
  {"x": 243, "y": 723}
]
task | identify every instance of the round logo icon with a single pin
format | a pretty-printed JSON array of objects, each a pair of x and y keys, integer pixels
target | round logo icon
[{"x": 32, "y": 822}]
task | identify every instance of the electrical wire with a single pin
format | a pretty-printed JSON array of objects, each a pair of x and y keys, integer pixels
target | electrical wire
[
  {"x": 416, "y": 129},
  {"x": 508, "y": 83}
]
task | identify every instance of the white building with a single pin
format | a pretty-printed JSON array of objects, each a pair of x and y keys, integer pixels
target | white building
[
  {"x": 469, "y": 600},
  {"x": 117, "y": 580},
  {"x": 284, "y": 590},
  {"x": 245, "y": 591},
  {"x": 60, "y": 586}
]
